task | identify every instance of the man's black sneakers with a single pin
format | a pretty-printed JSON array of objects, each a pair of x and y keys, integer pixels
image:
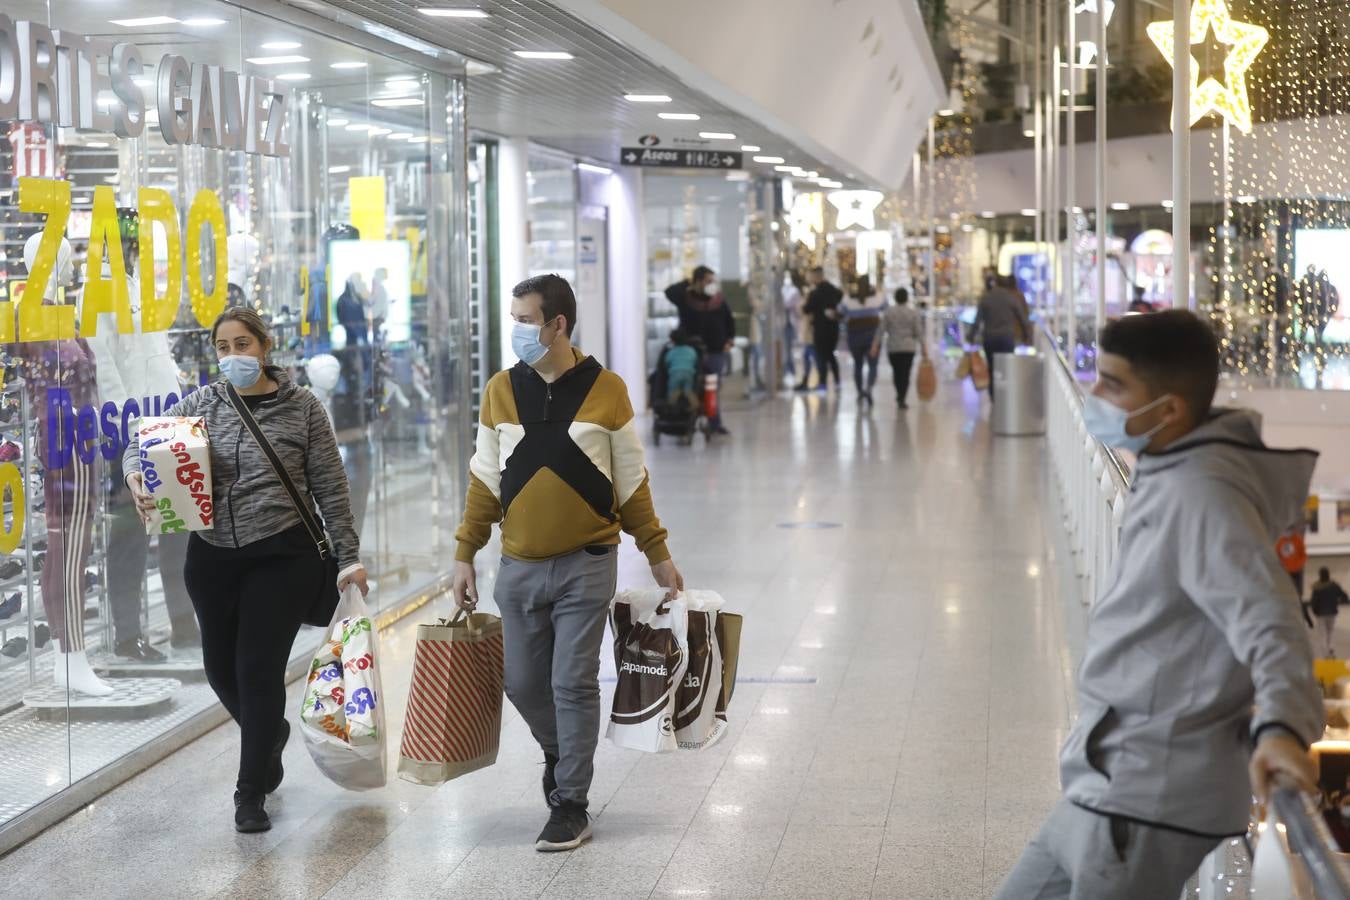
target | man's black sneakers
[
  {"x": 550, "y": 779},
  {"x": 249, "y": 815},
  {"x": 277, "y": 772},
  {"x": 568, "y": 828}
]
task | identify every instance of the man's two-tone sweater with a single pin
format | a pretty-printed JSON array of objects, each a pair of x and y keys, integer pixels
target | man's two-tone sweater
[{"x": 560, "y": 466}]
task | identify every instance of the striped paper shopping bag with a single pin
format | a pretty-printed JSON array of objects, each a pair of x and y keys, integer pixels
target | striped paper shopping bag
[{"x": 454, "y": 719}]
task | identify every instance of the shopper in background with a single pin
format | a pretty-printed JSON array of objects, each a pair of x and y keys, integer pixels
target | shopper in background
[
  {"x": 822, "y": 305},
  {"x": 137, "y": 368},
  {"x": 560, "y": 466},
  {"x": 678, "y": 294},
  {"x": 710, "y": 320},
  {"x": 253, "y": 576},
  {"x": 1327, "y": 599},
  {"x": 861, "y": 315},
  {"x": 792, "y": 319},
  {"x": 902, "y": 331},
  {"x": 1009, "y": 283},
  {"x": 1001, "y": 322},
  {"x": 1154, "y": 776}
]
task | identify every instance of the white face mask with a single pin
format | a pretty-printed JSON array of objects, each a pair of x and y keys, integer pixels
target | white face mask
[
  {"x": 711, "y": 288},
  {"x": 1107, "y": 423}
]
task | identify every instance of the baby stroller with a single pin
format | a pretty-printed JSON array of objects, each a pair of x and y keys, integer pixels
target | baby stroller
[{"x": 676, "y": 406}]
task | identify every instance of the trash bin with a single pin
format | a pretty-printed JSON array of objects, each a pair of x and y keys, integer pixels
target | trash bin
[{"x": 1019, "y": 394}]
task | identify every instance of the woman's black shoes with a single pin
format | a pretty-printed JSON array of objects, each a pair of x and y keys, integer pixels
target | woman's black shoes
[{"x": 249, "y": 815}]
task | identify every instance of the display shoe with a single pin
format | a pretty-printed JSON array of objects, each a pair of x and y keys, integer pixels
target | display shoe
[
  {"x": 14, "y": 647},
  {"x": 550, "y": 779},
  {"x": 10, "y": 451},
  {"x": 138, "y": 649},
  {"x": 276, "y": 771},
  {"x": 39, "y": 560},
  {"x": 569, "y": 826},
  {"x": 10, "y": 605},
  {"x": 249, "y": 815},
  {"x": 91, "y": 612},
  {"x": 41, "y": 635},
  {"x": 91, "y": 580},
  {"x": 10, "y": 568},
  {"x": 39, "y": 546},
  {"x": 8, "y": 412}
]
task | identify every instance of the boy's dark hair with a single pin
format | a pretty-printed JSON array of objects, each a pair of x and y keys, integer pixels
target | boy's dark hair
[
  {"x": 678, "y": 337},
  {"x": 555, "y": 297},
  {"x": 1324, "y": 573},
  {"x": 1172, "y": 352},
  {"x": 700, "y": 273},
  {"x": 901, "y": 296}
]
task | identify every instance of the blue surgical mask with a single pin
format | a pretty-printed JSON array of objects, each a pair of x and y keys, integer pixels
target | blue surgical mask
[
  {"x": 241, "y": 371},
  {"x": 1106, "y": 422},
  {"x": 526, "y": 344}
]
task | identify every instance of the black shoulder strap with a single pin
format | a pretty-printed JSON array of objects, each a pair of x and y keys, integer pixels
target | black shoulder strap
[{"x": 316, "y": 532}]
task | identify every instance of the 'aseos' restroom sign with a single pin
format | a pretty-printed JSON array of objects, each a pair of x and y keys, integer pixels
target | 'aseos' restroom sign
[{"x": 59, "y": 77}]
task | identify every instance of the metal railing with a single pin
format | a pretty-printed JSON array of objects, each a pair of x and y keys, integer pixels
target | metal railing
[{"x": 1093, "y": 483}]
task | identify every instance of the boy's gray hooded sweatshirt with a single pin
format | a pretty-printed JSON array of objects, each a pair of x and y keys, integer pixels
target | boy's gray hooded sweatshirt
[{"x": 1197, "y": 644}]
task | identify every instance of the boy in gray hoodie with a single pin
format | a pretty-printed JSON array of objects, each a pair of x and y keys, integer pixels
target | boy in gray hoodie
[{"x": 1196, "y": 688}]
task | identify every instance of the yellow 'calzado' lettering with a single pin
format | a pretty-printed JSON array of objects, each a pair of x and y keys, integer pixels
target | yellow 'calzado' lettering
[
  {"x": 158, "y": 311},
  {"x": 104, "y": 295},
  {"x": 37, "y": 321},
  {"x": 206, "y": 210},
  {"x": 11, "y": 482}
]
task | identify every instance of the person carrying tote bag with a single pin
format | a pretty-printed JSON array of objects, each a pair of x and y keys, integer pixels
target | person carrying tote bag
[{"x": 259, "y": 573}]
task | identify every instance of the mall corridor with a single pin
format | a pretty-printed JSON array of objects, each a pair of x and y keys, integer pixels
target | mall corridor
[{"x": 905, "y": 683}]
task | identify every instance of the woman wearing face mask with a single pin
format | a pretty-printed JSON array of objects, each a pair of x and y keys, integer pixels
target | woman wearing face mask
[{"x": 252, "y": 577}]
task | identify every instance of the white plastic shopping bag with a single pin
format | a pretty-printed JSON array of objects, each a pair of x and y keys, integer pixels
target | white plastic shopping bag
[
  {"x": 651, "y": 656},
  {"x": 698, "y": 721},
  {"x": 1274, "y": 876},
  {"x": 342, "y": 713}
]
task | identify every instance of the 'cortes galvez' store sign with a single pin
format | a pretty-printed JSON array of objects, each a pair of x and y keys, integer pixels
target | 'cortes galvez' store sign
[{"x": 62, "y": 78}]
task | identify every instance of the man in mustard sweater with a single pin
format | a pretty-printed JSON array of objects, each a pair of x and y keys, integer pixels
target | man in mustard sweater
[{"x": 560, "y": 466}]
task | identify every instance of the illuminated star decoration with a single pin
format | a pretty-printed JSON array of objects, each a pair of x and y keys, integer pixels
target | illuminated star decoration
[
  {"x": 807, "y": 218},
  {"x": 1239, "y": 43},
  {"x": 856, "y": 208}
]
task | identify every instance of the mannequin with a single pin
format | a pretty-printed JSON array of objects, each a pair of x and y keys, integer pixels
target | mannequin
[
  {"x": 139, "y": 369},
  {"x": 69, "y": 489}
]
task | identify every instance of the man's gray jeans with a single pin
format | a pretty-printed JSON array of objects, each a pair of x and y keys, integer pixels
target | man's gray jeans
[
  {"x": 553, "y": 625},
  {"x": 1082, "y": 855}
]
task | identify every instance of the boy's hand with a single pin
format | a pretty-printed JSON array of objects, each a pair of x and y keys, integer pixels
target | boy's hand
[
  {"x": 464, "y": 587},
  {"x": 1279, "y": 754},
  {"x": 668, "y": 577}
]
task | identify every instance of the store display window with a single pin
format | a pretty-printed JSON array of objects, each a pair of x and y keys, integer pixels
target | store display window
[{"x": 158, "y": 164}]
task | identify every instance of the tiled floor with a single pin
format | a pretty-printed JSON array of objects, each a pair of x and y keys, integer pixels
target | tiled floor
[{"x": 915, "y": 765}]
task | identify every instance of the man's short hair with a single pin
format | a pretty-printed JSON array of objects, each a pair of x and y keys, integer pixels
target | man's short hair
[
  {"x": 901, "y": 295},
  {"x": 818, "y": 270},
  {"x": 1173, "y": 352},
  {"x": 700, "y": 273},
  {"x": 555, "y": 297}
]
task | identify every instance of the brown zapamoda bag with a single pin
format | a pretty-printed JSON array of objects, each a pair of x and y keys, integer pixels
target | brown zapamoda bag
[{"x": 650, "y": 658}]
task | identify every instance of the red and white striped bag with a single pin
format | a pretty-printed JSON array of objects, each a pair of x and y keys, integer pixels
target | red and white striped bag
[{"x": 454, "y": 718}]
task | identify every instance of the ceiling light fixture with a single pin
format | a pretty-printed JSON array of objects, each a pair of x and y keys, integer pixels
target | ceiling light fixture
[
  {"x": 420, "y": 139},
  {"x": 97, "y": 145},
  {"x": 1029, "y": 213},
  {"x": 680, "y": 117},
  {"x": 359, "y": 127},
  {"x": 284, "y": 59},
  {"x": 646, "y": 98},
  {"x": 792, "y": 169},
  {"x": 717, "y": 136},
  {"x": 338, "y": 170},
  {"x": 1168, "y": 204},
  {"x": 987, "y": 214},
  {"x": 400, "y": 136},
  {"x": 379, "y": 132},
  {"x": 396, "y": 102},
  {"x": 768, "y": 159},
  {"x": 1246, "y": 198},
  {"x": 749, "y": 148},
  {"x": 946, "y": 112},
  {"x": 281, "y": 45},
  {"x": 453, "y": 12},
  {"x": 203, "y": 23},
  {"x": 598, "y": 170},
  {"x": 1120, "y": 207},
  {"x": 294, "y": 76},
  {"x": 352, "y": 64},
  {"x": 337, "y": 123},
  {"x": 145, "y": 22},
  {"x": 544, "y": 54}
]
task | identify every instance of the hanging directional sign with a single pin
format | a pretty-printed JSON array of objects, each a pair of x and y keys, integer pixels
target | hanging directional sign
[{"x": 672, "y": 158}]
